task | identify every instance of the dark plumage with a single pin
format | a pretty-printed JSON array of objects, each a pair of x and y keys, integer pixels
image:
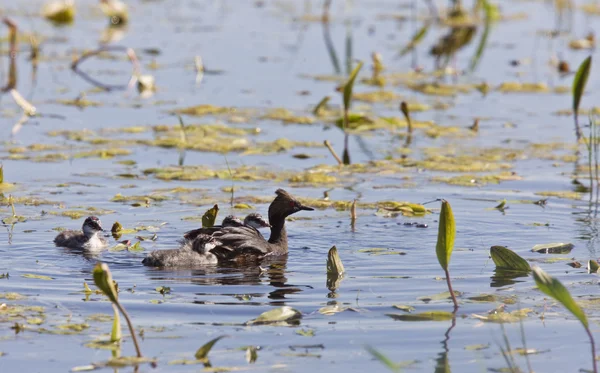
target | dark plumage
[{"x": 246, "y": 242}]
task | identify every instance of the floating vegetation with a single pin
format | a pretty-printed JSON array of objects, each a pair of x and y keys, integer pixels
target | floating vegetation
[
  {"x": 422, "y": 316},
  {"x": 553, "y": 248},
  {"x": 285, "y": 315}
]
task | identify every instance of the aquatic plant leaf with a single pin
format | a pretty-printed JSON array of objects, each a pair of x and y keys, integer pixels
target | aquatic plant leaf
[
  {"x": 251, "y": 354},
  {"x": 209, "y": 217},
  {"x": 383, "y": 359},
  {"x": 118, "y": 247},
  {"x": 116, "y": 227},
  {"x": 446, "y": 234},
  {"x": 488, "y": 17},
  {"x": 422, "y": 316},
  {"x": 416, "y": 39},
  {"x": 555, "y": 289},
  {"x": 349, "y": 86},
  {"x": 334, "y": 263},
  {"x": 507, "y": 259},
  {"x": 136, "y": 247},
  {"x": 202, "y": 353},
  {"x": 404, "y": 308},
  {"x": 59, "y": 12},
  {"x": 39, "y": 277},
  {"x": 321, "y": 106},
  {"x": 163, "y": 290},
  {"x": 332, "y": 309},
  {"x": 580, "y": 81},
  {"x": 103, "y": 280},
  {"x": 280, "y": 314},
  {"x": 593, "y": 266},
  {"x": 502, "y": 205},
  {"x": 477, "y": 347},
  {"x": 504, "y": 317},
  {"x": 306, "y": 332},
  {"x": 1, "y": 174},
  {"x": 115, "y": 334},
  {"x": 553, "y": 248}
]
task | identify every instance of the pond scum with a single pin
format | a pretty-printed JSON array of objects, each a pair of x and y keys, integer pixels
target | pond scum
[{"x": 457, "y": 163}]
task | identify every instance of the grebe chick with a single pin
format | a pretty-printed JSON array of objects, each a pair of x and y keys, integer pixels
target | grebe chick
[{"x": 88, "y": 238}]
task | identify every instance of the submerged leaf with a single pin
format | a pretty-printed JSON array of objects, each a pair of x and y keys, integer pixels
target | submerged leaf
[
  {"x": 446, "y": 234},
  {"x": 555, "y": 289},
  {"x": 202, "y": 353},
  {"x": 508, "y": 259},
  {"x": 209, "y": 217}
]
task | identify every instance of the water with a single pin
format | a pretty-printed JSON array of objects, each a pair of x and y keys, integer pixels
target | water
[{"x": 264, "y": 50}]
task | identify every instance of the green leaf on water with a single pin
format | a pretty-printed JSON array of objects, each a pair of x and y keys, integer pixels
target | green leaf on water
[
  {"x": 209, "y": 217},
  {"x": 508, "y": 259},
  {"x": 163, "y": 290},
  {"x": 39, "y": 277},
  {"x": 403, "y": 307},
  {"x": 579, "y": 82},
  {"x": 103, "y": 280},
  {"x": 136, "y": 247},
  {"x": 280, "y": 314},
  {"x": 1, "y": 174},
  {"x": 349, "y": 86},
  {"x": 306, "y": 332},
  {"x": 555, "y": 289},
  {"x": 553, "y": 248},
  {"x": 116, "y": 227},
  {"x": 446, "y": 234},
  {"x": 422, "y": 316},
  {"x": 593, "y": 266},
  {"x": 202, "y": 353},
  {"x": 334, "y": 263}
]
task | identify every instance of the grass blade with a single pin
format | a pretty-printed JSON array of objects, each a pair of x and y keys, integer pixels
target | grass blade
[{"x": 349, "y": 86}]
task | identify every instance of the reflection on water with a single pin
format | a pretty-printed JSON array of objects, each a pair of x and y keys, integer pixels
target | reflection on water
[{"x": 502, "y": 277}]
